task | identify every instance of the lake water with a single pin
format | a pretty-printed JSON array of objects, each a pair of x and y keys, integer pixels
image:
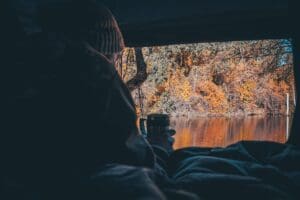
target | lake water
[{"x": 221, "y": 131}]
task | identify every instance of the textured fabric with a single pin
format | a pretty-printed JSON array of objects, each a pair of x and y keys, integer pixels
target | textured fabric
[
  {"x": 108, "y": 37},
  {"x": 246, "y": 170},
  {"x": 84, "y": 20}
]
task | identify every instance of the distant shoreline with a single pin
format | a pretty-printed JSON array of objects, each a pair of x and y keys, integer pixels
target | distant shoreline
[{"x": 236, "y": 115}]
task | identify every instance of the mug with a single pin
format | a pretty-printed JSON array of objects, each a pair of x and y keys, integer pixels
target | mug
[{"x": 156, "y": 124}]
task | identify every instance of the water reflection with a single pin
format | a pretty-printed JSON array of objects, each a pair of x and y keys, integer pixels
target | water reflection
[{"x": 220, "y": 131}]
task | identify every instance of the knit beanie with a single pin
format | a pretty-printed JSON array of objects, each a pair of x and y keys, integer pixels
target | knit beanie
[
  {"x": 105, "y": 36},
  {"x": 86, "y": 20}
]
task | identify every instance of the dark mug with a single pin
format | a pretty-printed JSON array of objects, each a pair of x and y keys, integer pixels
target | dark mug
[{"x": 157, "y": 124}]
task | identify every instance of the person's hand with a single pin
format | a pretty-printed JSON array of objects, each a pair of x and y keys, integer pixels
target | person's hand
[{"x": 163, "y": 140}]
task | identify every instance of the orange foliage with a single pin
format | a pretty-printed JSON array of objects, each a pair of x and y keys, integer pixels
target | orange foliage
[
  {"x": 214, "y": 96},
  {"x": 246, "y": 91},
  {"x": 181, "y": 86}
]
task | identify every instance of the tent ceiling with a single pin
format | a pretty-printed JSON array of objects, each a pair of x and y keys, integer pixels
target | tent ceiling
[
  {"x": 165, "y": 22},
  {"x": 157, "y": 22}
]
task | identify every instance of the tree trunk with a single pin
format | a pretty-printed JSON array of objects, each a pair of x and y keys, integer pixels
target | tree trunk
[{"x": 141, "y": 73}]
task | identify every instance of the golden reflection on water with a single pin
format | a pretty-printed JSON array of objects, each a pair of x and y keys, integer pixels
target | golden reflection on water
[{"x": 221, "y": 132}]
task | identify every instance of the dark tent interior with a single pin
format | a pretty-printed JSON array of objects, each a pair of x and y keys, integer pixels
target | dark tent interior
[{"x": 245, "y": 170}]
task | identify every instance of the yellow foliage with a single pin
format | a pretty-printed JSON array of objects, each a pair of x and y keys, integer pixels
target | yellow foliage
[
  {"x": 181, "y": 86},
  {"x": 185, "y": 90},
  {"x": 246, "y": 90},
  {"x": 214, "y": 95}
]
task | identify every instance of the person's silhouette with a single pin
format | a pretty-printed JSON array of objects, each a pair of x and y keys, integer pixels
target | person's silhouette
[{"x": 69, "y": 112}]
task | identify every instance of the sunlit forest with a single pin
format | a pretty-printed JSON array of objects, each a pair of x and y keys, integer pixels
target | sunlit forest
[{"x": 222, "y": 79}]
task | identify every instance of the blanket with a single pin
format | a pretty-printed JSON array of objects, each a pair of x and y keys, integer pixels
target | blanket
[{"x": 245, "y": 170}]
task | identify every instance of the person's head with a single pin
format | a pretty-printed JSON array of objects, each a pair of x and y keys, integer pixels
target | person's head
[
  {"x": 87, "y": 21},
  {"x": 94, "y": 25}
]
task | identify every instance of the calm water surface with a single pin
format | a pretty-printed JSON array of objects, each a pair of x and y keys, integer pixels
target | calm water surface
[{"x": 221, "y": 131}]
